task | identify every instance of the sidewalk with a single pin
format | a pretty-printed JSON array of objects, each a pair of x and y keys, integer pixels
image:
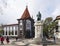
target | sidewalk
[{"x": 27, "y": 42}]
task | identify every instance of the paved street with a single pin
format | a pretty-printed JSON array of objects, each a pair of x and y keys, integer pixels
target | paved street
[{"x": 20, "y": 43}]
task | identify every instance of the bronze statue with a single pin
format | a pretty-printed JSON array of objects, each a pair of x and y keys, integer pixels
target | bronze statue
[{"x": 38, "y": 16}]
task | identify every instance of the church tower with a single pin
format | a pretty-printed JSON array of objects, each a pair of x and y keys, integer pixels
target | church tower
[{"x": 25, "y": 25}]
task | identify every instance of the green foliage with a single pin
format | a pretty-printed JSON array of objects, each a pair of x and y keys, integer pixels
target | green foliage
[
  {"x": 53, "y": 25},
  {"x": 48, "y": 20},
  {"x": 1, "y": 32},
  {"x": 48, "y": 25}
]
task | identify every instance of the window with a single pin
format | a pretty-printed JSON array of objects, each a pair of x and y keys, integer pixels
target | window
[
  {"x": 28, "y": 25},
  {"x": 21, "y": 27},
  {"x": 16, "y": 32}
]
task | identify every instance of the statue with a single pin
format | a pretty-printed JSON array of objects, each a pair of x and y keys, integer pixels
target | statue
[{"x": 38, "y": 16}]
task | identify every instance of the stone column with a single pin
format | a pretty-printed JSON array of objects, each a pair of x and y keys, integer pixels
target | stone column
[
  {"x": 14, "y": 30},
  {"x": 4, "y": 30},
  {"x": 18, "y": 28},
  {"x": 8, "y": 30}
]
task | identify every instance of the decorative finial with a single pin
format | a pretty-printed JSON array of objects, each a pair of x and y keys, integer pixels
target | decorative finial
[{"x": 26, "y": 6}]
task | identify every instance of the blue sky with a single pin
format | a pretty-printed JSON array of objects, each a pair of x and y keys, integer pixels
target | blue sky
[{"x": 11, "y": 10}]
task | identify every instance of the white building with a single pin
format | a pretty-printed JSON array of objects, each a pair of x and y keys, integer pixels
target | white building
[{"x": 57, "y": 29}]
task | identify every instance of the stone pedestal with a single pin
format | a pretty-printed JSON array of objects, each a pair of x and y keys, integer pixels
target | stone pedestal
[
  {"x": 38, "y": 32},
  {"x": 38, "y": 29}
]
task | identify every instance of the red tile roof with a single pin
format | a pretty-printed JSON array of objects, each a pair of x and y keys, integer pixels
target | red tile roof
[{"x": 26, "y": 14}]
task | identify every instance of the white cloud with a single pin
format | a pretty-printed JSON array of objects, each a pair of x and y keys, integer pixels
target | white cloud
[
  {"x": 15, "y": 9},
  {"x": 56, "y": 12}
]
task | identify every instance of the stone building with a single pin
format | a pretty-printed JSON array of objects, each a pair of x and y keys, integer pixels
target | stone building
[
  {"x": 26, "y": 25},
  {"x": 23, "y": 29}
]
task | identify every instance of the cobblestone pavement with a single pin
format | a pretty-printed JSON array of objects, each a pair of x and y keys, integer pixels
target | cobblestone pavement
[{"x": 25, "y": 41}]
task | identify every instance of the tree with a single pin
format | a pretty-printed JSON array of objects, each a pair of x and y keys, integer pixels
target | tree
[
  {"x": 52, "y": 26},
  {"x": 48, "y": 20},
  {"x": 47, "y": 26},
  {"x": 1, "y": 30}
]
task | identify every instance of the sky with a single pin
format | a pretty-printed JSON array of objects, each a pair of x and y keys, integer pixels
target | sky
[{"x": 11, "y": 10}]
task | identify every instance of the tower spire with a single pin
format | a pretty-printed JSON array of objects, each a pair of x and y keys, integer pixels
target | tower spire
[
  {"x": 26, "y": 6},
  {"x": 26, "y": 14}
]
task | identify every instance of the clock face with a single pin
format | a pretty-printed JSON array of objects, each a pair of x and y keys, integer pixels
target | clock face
[{"x": 28, "y": 25}]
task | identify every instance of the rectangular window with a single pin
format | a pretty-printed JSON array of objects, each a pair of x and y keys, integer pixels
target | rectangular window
[{"x": 28, "y": 25}]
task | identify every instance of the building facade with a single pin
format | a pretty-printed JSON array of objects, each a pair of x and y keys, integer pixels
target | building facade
[
  {"x": 26, "y": 25},
  {"x": 10, "y": 30},
  {"x": 23, "y": 29},
  {"x": 57, "y": 29}
]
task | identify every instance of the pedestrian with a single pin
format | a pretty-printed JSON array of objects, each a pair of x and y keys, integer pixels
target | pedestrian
[
  {"x": 2, "y": 39},
  {"x": 54, "y": 40},
  {"x": 7, "y": 39},
  {"x": 16, "y": 38},
  {"x": 55, "y": 37}
]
